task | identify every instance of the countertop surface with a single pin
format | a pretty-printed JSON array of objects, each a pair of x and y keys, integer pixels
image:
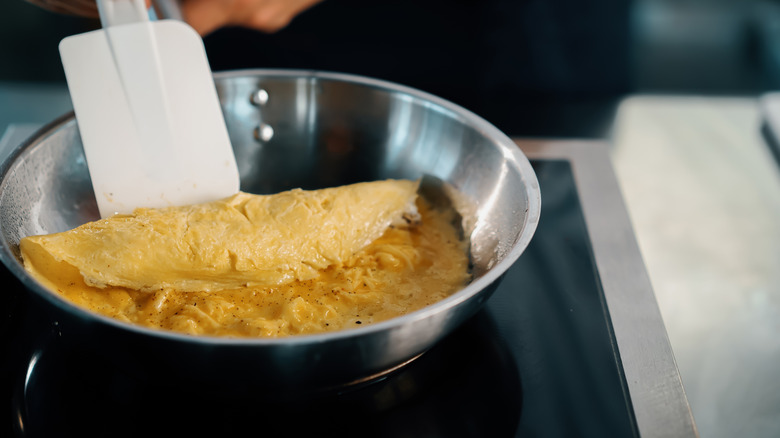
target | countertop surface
[{"x": 703, "y": 193}]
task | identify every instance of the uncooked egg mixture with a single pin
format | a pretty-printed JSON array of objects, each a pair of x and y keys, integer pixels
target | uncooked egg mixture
[{"x": 296, "y": 262}]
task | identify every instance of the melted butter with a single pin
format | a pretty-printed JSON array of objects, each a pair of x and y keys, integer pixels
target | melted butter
[{"x": 406, "y": 269}]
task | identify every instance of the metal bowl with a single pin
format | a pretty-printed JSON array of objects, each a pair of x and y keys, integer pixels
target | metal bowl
[{"x": 292, "y": 129}]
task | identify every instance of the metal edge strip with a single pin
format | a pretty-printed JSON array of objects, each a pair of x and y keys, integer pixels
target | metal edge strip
[{"x": 661, "y": 408}]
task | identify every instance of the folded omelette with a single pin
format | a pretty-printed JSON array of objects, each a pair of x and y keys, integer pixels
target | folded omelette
[
  {"x": 243, "y": 240},
  {"x": 260, "y": 265}
]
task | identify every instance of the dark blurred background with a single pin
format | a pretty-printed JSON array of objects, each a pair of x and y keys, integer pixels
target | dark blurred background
[{"x": 552, "y": 68}]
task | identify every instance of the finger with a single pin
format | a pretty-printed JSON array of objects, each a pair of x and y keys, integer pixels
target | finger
[
  {"x": 275, "y": 15},
  {"x": 206, "y": 16}
]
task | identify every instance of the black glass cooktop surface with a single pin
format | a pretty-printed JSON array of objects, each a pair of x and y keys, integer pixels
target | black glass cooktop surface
[{"x": 540, "y": 359}]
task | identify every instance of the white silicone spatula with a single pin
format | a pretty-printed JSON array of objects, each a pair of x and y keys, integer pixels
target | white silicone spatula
[{"x": 148, "y": 112}]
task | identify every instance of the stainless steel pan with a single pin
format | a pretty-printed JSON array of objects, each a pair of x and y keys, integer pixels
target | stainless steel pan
[{"x": 292, "y": 129}]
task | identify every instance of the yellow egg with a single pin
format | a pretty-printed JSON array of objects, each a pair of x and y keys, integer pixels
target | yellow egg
[{"x": 296, "y": 262}]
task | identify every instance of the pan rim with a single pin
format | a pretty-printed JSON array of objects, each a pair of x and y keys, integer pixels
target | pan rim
[{"x": 474, "y": 288}]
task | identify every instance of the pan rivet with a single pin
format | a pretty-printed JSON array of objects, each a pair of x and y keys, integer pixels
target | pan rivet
[
  {"x": 264, "y": 132},
  {"x": 259, "y": 97}
]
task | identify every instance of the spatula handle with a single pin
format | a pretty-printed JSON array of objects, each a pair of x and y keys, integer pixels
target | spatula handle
[
  {"x": 118, "y": 12},
  {"x": 168, "y": 9}
]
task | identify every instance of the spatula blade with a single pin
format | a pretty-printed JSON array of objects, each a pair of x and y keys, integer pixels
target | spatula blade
[{"x": 152, "y": 138}]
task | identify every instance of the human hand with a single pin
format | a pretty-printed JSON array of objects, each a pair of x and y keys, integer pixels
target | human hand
[{"x": 206, "y": 16}]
